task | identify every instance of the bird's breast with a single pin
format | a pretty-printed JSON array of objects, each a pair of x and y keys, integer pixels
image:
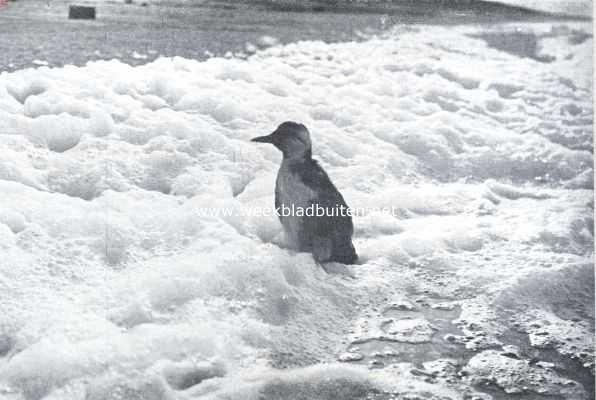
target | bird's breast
[{"x": 291, "y": 195}]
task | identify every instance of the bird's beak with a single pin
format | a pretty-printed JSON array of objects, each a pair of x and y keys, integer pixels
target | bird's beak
[{"x": 263, "y": 139}]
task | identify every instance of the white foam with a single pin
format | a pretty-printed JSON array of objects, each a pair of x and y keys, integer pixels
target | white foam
[{"x": 114, "y": 283}]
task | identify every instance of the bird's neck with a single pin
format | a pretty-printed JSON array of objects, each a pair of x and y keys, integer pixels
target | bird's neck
[{"x": 297, "y": 158}]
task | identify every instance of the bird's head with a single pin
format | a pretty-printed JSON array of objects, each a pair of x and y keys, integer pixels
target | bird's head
[{"x": 291, "y": 138}]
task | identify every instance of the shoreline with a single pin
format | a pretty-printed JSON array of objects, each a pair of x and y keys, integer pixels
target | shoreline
[{"x": 136, "y": 35}]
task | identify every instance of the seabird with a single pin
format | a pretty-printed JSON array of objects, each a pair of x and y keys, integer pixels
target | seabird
[{"x": 303, "y": 187}]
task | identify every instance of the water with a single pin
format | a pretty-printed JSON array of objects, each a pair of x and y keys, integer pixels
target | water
[{"x": 35, "y": 33}]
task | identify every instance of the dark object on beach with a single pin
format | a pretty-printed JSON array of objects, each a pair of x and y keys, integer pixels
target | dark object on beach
[
  {"x": 518, "y": 43},
  {"x": 81, "y": 12},
  {"x": 326, "y": 231}
]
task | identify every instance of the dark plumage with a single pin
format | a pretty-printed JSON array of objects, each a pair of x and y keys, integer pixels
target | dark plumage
[{"x": 302, "y": 183}]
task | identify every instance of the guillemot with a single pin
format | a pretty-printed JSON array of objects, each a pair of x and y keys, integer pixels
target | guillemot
[{"x": 302, "y": 184}]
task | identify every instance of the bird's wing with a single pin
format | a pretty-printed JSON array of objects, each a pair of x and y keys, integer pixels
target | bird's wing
[{"x": 328, "y": 197}]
